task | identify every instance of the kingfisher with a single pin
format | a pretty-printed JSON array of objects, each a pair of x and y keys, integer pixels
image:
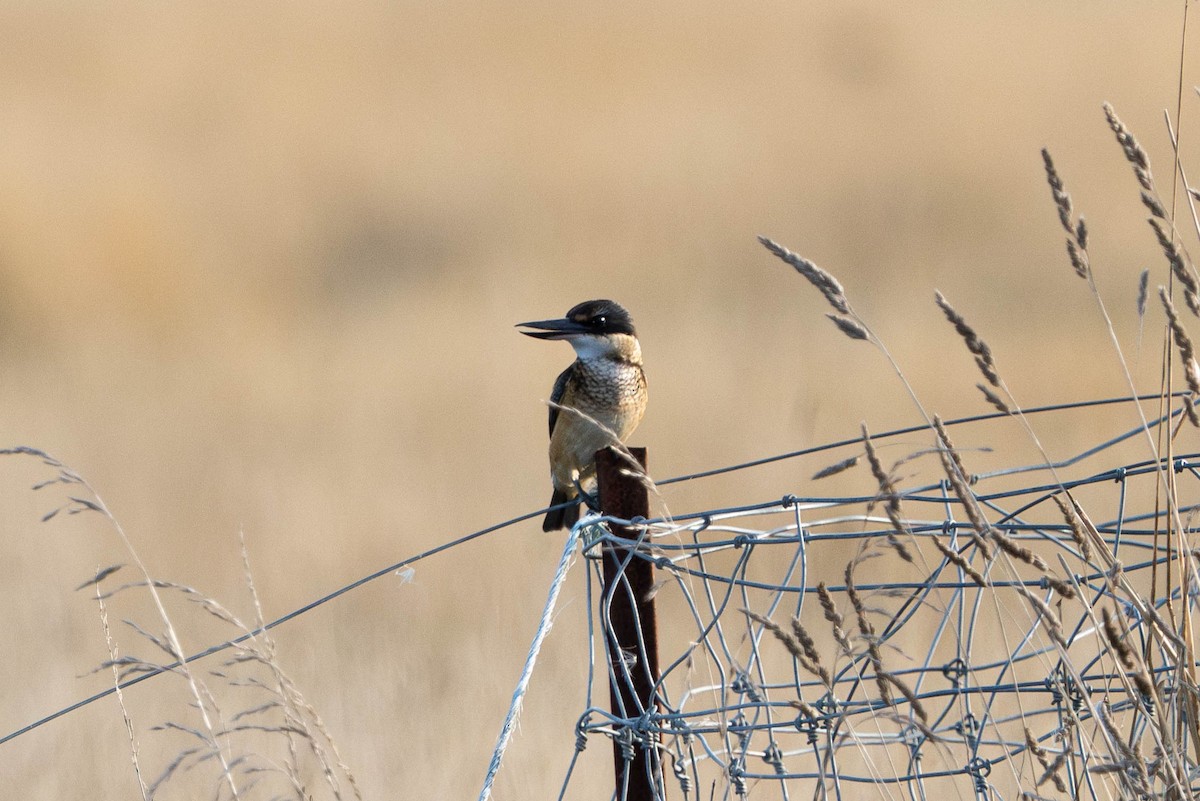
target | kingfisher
[{"x": 596, "y": 402}]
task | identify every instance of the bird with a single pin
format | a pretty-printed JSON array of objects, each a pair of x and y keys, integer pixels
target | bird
[{"x": 596, "y": 402}]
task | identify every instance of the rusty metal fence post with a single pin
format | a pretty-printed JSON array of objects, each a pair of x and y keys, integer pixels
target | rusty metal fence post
[{"x": 631, "y": 626}]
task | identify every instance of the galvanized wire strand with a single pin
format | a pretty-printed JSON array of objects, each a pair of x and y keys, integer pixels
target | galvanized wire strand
[{"x": 535, "y": 647}]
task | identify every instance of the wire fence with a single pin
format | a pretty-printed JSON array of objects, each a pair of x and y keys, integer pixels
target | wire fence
[
  {"x": 1029, "y": 648},
  {"x": 1024, "y": 632}
]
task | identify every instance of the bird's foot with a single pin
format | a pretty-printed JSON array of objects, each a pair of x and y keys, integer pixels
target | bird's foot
[{"x": 590, "y": 499}]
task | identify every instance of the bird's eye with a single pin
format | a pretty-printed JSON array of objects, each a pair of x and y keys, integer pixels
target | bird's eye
[{"x": 599, "y": 321}]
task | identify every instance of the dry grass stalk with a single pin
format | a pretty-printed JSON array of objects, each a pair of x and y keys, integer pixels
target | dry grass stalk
[
  {"x": 1143, "y": 769},
  {"x": 947, "y": 450},
  {"x": 1151, "y": 203},
  {"x": 172, "y": 767},
  {"x": 1189, "y": 409},
  {"x": 807, "y": 657},
  {"x": 1117, "y": 636},
  {"x": 978, "y": 348},
  {"x": 1051, "y": 773},
  {"x": 837, "y": 622},
  {"x": 1116, "y": 640},
  {"x": 1077, "y": 233},
  {"x": 869, "y": 638},
  {"x": 1109, "y": 725},
  {"x": 826, "y": 283},
  {"x": 1078, "y": 258},
  {"x": 1067, "y": 507},
  {"x": 1143, "y": 293},
  {"x": 100, "y": 576},
  {"x": 1093, "y": 536},
  {"x": 913, "y": 701},
  {"x": 959, "y": 561},
  {"x": 887, "y": 489},
  {"x": 201, "y": 699},
  {"x": 849, "y": 327},
  {"x": 981, "y": 545},
  {"x": 113, "y": 663},
  {"x": 834, "y": 469},
  {"x": 1049, "y": 769},
  {"x": 1179, "y": 267},
  {"x": 296, "y": 707},
  {"x": 809, "y": 711},
  {"x": 1064, "y": 589},
  {"x": 1133, "y": 151},
  {"x": 1062, "y": 201},
  {"x": 806, "y": 641},
  {"x": 1187, "y": 351},
  {"x": 958, "y": 476},
  {"x": 278, "y": 708},
  {"x": 1131, "y": 768},
  {"x": 129, "y": 666},
  {"x": 164, "y": 643},
  {"x": 994, "y": 399},
  {"x": 1047, "y": 614},
  {"x": 1017, "y": 551}
]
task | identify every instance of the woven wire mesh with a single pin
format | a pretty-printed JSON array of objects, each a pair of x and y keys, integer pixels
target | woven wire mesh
[{"x": 779, "y": 679}]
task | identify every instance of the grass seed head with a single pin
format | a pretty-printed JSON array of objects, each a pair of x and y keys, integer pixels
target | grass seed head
[
  {"x": 1187, "y": 351},
  {"x": 978, "y": 348},
  {"x": 826, "y": 283},
  {"x": 1133, "y": 151}
]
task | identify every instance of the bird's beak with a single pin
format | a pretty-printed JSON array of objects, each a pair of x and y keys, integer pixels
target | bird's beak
[{"x": 554, "y": 329}]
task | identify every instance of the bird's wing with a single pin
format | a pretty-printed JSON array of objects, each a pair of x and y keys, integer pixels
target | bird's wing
[{"x": 556, "y": 395}]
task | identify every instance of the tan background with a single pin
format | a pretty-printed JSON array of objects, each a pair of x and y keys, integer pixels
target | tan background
[{"x": 259, "y": 267}]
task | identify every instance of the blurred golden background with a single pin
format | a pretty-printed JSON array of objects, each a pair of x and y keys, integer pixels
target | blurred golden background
[{"x": 260, "y": 266}]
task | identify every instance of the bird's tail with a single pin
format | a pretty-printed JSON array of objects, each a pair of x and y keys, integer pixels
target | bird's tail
[{"x": 564, "y": 517}]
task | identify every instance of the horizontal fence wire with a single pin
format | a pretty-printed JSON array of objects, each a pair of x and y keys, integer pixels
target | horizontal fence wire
[{"x": 803, "y": 657}]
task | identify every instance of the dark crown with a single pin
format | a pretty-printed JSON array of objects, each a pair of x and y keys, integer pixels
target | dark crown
[{"x": 603, "y": 317}]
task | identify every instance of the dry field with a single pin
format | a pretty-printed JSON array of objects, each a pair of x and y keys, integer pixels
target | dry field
[{"x": 260, "y": 264}]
